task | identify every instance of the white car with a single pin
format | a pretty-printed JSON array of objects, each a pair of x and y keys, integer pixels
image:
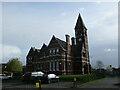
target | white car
[
  {"x": 5, "y": 77},
  {"x": 32, "y": 76},
  {"x": 48, "y": 78},
  {"x": 36, "y": 74}
]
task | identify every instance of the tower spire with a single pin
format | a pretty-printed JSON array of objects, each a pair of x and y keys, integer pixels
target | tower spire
[{"x": 80, "y": 23}]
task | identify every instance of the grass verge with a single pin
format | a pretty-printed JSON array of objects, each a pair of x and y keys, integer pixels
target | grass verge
[{"x": 87, "y": 83}]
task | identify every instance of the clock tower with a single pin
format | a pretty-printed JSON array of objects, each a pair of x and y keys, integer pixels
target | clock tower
[
  {"x": 80, "y": 31},
  {"x": 80, "y": 50}
]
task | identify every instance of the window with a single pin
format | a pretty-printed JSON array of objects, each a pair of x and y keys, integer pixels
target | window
[
  {"x": 50, "y": 51},
  {"x": 84, "y": 54},
  {"x": 40, "y": 66},
  {"x": 53, "y": 66},
  {"x": 80, "y": 39},
  {"x": 57, "y": 65},
  {"x": 29, "y": 59},
  {"x": 53, "y": 51},
  {"x": 57, "y": 50},
  {"x": 50, "y": 68},
  {"x": 64, "y": 67}
]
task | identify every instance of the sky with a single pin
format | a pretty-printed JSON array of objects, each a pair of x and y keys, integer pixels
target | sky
[{"x": 30, "y": 24}]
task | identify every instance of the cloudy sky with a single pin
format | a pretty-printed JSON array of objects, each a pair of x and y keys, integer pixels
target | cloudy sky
[{"x": 26, "y": 24}]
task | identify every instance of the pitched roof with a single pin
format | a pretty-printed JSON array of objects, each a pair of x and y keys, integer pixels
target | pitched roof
[
  {"x": 44, "y": 46},
  {"x": 33, "y": 50},
  {"x": 62, "y": 43},
  {"x": 80, "y": 23}
]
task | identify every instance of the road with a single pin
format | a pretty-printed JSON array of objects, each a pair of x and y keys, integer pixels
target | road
[
  {"x": 20, "y": 84},
  {"x": 105, "y": 83}
]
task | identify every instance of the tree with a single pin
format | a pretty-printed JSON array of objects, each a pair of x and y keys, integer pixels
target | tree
[
  {"x": 99, "y": 64},
  {"x": 14, "y": 65}
]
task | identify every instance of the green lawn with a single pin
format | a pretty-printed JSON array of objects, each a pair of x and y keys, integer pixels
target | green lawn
[{"x": 87, "y": 83}]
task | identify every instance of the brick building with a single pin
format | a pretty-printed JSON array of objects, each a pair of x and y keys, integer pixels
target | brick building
[{"x": 61, "y": 57}]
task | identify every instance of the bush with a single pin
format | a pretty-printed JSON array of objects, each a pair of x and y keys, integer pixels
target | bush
[{"x": 17, "y": 75}]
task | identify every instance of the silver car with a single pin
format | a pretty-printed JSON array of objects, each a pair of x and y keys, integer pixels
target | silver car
[{"x": 5, "y": 77}]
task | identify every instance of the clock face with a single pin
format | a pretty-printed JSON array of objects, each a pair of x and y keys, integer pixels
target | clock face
[{"x": 79, "y": 39}]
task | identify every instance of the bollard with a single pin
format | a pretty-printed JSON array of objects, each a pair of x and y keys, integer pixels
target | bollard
[
  {"x": 38, "y": 84},
  {"x": 74, "y": 82}
]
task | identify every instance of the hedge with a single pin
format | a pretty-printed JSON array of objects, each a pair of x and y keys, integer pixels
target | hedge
[{"x": 81, "y": 78}]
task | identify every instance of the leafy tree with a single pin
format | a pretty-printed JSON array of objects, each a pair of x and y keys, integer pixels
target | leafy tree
[{"x": 14, "y": 65}]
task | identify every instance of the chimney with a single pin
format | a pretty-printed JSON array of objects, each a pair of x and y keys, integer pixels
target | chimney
[
  {"x": 73, "y": 41},
  {"x": 68, "y": 43}
]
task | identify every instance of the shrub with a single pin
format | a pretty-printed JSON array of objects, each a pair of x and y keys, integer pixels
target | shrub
[{"x": 81, "y": 78}]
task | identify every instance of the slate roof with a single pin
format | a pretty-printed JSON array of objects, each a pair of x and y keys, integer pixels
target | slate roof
[
  {"x": 62, "y": 43},
  {"x": 80, "y": 23},
  {"x": 44, "y": 46}
]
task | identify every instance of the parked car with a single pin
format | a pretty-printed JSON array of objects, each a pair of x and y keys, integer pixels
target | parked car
[
  {"x": 49, "y": 78},
  {"x": 26, "y": 77},
  {"x": 36, "y": 75},
  {"x": 5, "y": 77},
  {"x": 32, "y": 76}
]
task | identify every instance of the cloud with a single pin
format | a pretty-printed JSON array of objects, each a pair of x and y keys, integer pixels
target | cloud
[
  {"x": 9, "y": 51},
  {"x": 105, "y": 28},
  {"x": 79, "y": 10},
  {"x": 82, "y": 9},
  {"x": 109, "y": 50},
  {"x": 63, "y": 14}
]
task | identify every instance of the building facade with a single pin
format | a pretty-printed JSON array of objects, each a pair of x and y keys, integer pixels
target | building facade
[{"x": 61, "y": 57}]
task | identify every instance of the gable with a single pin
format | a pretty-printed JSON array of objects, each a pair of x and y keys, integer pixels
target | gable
[
  {"x": 43, "y": 47},
  {"x": 33, "y": 51},
  {"x": 55, "y": 42}
]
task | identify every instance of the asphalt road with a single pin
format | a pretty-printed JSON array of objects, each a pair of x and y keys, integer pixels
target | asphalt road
[
  {"x": 105, "y": 83},
  {"x": 20, "y": 84}
]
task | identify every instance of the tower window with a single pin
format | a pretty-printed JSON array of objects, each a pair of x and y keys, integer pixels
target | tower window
[
  {"x": 84, "y": 54},
  {"x": 80, "y": 39}
]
